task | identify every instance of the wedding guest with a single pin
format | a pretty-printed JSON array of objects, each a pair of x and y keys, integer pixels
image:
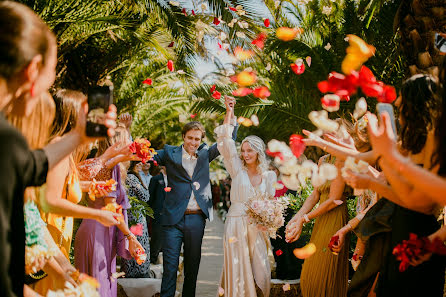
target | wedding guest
[
  {"x": 157, "y": 191},
  {"x": 246, "y": 269},
  {"x": 27, "y": 69},
  {"x": 144, "y": 173},
  {"x": 96, "y": 246},
  {"x": 136, "y": 189}
]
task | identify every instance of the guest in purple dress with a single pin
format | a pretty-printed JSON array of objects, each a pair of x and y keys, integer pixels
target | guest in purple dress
[{"x": 97, "y": 246}]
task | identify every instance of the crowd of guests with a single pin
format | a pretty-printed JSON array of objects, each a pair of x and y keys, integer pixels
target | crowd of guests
[{"x": 49, "y": 166}]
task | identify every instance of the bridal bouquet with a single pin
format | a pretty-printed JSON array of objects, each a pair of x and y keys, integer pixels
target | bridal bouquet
[
  {"x": 141, "y": 147},
  {"x": 267, "y": 212},
  {"x": 87, "y": 287}
]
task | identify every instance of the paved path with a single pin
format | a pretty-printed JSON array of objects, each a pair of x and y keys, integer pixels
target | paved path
[{"x": 211, "y": 258}]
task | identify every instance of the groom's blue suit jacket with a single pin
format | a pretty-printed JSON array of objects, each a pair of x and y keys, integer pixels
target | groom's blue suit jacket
[{"x": 182, "y": 184}]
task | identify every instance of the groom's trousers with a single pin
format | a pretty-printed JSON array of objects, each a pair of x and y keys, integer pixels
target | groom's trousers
[{"x": 189, "y": 230}]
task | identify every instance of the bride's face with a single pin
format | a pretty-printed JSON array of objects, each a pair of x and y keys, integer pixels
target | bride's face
[{"x": 248, "y": 154}]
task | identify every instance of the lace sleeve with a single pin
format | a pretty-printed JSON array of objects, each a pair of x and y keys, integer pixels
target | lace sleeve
[{"x": 226, "y": 147}]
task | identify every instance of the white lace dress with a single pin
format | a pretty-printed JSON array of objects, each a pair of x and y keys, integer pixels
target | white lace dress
[{"x": 246, "y": 261}]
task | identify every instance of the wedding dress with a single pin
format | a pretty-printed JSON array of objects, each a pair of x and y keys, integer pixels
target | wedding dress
[{"x": 246, "y": 263}]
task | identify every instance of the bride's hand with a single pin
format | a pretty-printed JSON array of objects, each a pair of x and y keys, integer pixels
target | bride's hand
[{"x": 229, "y": 103}]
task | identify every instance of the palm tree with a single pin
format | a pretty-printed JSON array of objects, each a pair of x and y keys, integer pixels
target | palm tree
[{"x": 294, "y": 96}]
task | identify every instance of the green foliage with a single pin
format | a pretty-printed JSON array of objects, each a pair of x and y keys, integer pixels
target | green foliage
[{"x": 139, "y": 207}]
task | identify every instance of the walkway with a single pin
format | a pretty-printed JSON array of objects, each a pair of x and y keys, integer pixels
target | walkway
[{"x": 211, "y": 258}]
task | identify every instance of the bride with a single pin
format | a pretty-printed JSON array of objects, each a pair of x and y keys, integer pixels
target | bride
[{"x": 246, "y": 266}]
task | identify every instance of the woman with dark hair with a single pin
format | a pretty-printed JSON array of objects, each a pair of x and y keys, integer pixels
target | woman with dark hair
[
  {"x": 138, "y": 191},
  {"x": 28, "y": 57},
  {"x": 419, "y": 94}
]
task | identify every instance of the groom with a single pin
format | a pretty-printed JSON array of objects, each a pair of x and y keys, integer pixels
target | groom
[{"x": 187, "y": 205}]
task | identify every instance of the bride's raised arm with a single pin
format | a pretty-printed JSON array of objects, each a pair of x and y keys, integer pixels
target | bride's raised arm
[{"x": 225, "y": 143}]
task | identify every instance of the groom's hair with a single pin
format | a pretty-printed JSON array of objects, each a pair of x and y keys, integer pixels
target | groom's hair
[{"x": 193, "y": 126}]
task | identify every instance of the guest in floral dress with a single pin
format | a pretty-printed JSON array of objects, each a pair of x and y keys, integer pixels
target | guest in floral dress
[{"x": 137, "y": 190}]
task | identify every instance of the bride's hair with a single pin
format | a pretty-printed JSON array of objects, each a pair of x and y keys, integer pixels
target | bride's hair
[{"x": 258, "y": 146}]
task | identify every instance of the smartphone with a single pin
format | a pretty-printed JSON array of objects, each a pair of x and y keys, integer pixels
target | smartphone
[
  {"x": 386, "y": 107},
  {"x": 440, "y": 42},
  {"x": 99, "y": 100}
]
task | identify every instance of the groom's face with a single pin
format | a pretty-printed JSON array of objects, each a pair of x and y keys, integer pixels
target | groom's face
[{"x": 192, "y": 140}]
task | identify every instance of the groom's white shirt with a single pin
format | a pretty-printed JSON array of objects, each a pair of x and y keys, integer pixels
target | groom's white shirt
[{"x": 189, "y": 162}]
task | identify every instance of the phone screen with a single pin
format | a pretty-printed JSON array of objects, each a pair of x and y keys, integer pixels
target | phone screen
[
  {"x": 99, "y": 100},
  {"x": 386, "y": 107},
  {"x": 440, "y": 42}
]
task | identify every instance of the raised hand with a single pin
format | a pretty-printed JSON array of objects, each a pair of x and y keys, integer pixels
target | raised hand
[
  {"x": 381, "y": 136},
  {"x": 127, "y": 119},
  {"x": 229, "y": 103}
]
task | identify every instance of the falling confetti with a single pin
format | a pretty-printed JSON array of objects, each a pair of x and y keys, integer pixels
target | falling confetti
[
  {"x": 286, "y": 287},
  {"x": 232, "y": 239},
  {"x": 298, "y": 67},
  {"x": 305, "y": 252},
  {"x": 196, "y": 185},
  {"x": 308, "y": 59},
  {"x": 216, "y": 95},
  {"x": 288, "y": 34},
  {"x": 216, "y": 21},
  {"x": 136, "y": 229},
  {"x": 331, "y": 102},
  {"x": 360, "y": 108},
  {"x": 279, "y": 253},
  {"x": 328, "y": 46},
  {"x": 170, "y": 65},
  {"x": 171, "y": 44},
  {"x": 261, "y": 92},
  {"x": 221, "y": 291},
  {"x": 167, "y": 189},
  {"x": 255, "y": 120},
  {"x": 266, "y": 22}
]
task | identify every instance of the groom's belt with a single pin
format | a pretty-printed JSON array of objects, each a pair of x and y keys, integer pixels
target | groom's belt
[{"x": 193, "y": 211}]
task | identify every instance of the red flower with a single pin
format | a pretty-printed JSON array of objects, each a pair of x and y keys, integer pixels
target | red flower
[
  {"x": 275, "y": 154},
  {"x": 213, "y": 89},
  {"x": 298, "y": 68},
  {"x": 266, "y": 23},
  {"x": 184, "y": 11},
  {"x": 193, "y": 115},
  {"x": 147, "y": 81},
  {"x": 136, "y": 229},
  {"x": 170, "y": 65},
  {"x": 242, "y": 92},
  {"x": 216, "y": 21},
  {"x": 279, "y": 253},
  {"x": 233, "y": 8},
  {"x": 260, "y": 40},
  {"x": 261, "y": 92},
  {"x": 141, "y": 147},
  {"x": 171, "y": 44},
  {"x": 216, "y": 95},
  {"x": 193, "y": 12},
  {"x": 334, "y": 240},
  {"x": 297, "y": 145}
]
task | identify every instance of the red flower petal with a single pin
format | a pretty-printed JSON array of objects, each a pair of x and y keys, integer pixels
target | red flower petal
[
  {"x": 233, "y": 8},
  {"x": 213, "y": 88},
  {"x": 260, "y": 40},
  {"x": 147, "y": 81},
  {"x": 261, "y": 92},
  {"x": 266, "y": 23},
  {"x": 137, "y": 229},
  {"x": 388, "y": 95},
  {"x": 334, "y": 240},
  {"x": 216, "y": 95},
  {"x": 275, "y": 154},
  {"x": 279, "y": 253},
  {"x": 193, "y": 115},
  {"x": 216, "y": 21},
  {"x": 167, "y": 189},
  {"x": 193, "y": 12},
  {"x": 297, "y": 145},
  {"x": 184, "y": 11},
  {"x": 171, "y": 44},
  {"x": 298, "y": 69},
  {"x": 242, "y": 92},
  {"x": 170, "y": 65}
]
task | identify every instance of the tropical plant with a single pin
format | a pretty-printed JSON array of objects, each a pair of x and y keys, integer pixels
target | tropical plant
[{"x": 325, "y": 25}]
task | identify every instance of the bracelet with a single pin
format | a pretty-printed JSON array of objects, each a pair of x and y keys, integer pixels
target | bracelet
[
  {"x": 130, "y": 235},
  {"x": 351, "y": 228},
  {"x": 306, "y": 218}
]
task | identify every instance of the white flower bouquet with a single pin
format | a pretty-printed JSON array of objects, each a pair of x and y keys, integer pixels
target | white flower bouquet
[{"x": 267, "y": 212}]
